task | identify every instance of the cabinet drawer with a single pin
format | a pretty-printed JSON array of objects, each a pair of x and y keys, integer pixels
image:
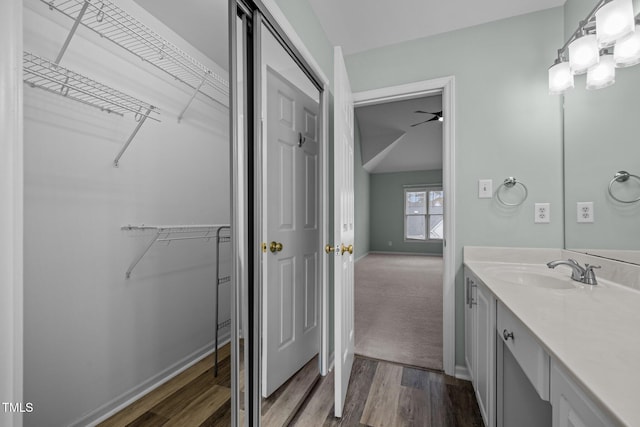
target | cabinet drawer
[{"x": 531, "y": 357}]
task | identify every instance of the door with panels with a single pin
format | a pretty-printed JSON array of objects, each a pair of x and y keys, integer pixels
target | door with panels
[
  {"x": 291, "y": 290},
  {"x": 343, "y": 160}
]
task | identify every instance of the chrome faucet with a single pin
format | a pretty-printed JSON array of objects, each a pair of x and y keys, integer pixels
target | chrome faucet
[{"x": 578, "y": 273}]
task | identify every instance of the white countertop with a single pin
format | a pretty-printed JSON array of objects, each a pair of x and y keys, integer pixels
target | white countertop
[{"x": 593, "y": 331}]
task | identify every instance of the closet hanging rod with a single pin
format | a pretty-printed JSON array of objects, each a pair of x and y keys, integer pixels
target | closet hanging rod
[
  {"x": 114, "y": 24},
  {"x": 176, "y": 228},
  {"x": 163, "y": 234}
]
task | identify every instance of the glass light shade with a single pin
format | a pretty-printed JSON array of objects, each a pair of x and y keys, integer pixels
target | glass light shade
[
  {"x": 602, "y": 74},
  {"x": 583, "y": 53},
  {"x": 614, "y": 20},
  {"x": 627, "y": 51},
  {"x": 560, "y": 78}
]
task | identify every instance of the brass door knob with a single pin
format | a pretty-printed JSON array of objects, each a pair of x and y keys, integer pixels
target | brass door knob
[
  {"x": 347, "y": 249},
  {"x": 328, "y": 248},
  {"x": 275, "y": 247}
]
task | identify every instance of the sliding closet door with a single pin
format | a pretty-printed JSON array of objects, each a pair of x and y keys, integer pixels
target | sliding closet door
[{"x": 277, "y": 149}]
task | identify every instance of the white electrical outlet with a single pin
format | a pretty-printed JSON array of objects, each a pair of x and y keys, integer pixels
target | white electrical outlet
[
  {"x": 542, "y": 213},
  {"x": 585, "y": 211},
  {"x": 485, "y": 188}
]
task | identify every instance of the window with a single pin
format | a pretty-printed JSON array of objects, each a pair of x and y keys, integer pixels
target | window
[{"x": 423, "y": 214}]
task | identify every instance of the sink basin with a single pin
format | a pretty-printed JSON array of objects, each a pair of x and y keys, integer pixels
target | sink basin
[{"x": 540, "y": 277}]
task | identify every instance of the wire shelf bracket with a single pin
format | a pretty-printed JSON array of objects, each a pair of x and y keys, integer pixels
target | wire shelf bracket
[
  {"x": 47, "y": 75},
  {"x": 170, "y": 233},
  {"x": 114, "y": 24},
  {"x": 223, "y": 235}
]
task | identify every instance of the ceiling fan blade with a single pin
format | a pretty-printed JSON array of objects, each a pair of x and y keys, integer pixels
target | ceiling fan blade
[
  {"x": 437, "y": 113},
  {"x": 432, "y": 119}
]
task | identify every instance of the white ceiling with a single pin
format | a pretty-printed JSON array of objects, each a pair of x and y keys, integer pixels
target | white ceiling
[
  {"x": 356, "y": 25},
  {"x": 202, "y": 23},
  {"x": 390, "y": 144},
  {"x": 359, "y": 25}
]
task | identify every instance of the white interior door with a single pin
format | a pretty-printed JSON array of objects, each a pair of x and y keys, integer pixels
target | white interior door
[
  {"x": 291, "y": 285},
  {"x": 344, "y": 231}
]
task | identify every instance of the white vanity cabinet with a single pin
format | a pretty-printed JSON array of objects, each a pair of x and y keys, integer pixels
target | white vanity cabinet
[
  {"x": 571, "y": 406},
  {"x": 480, "y": 344},
  {"x": 515, "y": 377}
]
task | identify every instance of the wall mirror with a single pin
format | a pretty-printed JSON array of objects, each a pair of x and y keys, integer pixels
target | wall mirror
[{"x": 601, "y": 129}]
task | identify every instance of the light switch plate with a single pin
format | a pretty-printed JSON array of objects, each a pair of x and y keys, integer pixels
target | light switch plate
[
  {"x": 542, "y": 212},
  {"x": 585, "y": 212},
  {"x": 485, "y": 189}
]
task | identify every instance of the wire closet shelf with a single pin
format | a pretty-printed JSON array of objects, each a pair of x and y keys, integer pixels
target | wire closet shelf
[
  {"x": 44, "y": 74},
  {"x": 47, "y": 75},
  {"x": 114, "y": 24},
  {"x": 221, "y": 233},
  {"x": 170, "y": 233}
]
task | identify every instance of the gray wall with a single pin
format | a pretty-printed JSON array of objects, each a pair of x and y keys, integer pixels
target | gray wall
[
  {"x": 506, "y": 123},
  {"x": 92, "y": 337},
  {"x": 361, "y": 183},
  {"x": 387, "y": 211}
]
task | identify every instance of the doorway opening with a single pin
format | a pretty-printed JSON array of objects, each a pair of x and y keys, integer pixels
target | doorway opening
[
  {"x": 398, "y": 284},
  {"x": 424, "y": 220}
]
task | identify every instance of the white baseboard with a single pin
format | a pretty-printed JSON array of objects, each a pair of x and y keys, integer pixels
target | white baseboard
[
  {"x": 114, "y": 406},
  {"x": 462, "y": 373},
  {"x": 360, "y": 257},
  {"x": 403, "y": 253}
]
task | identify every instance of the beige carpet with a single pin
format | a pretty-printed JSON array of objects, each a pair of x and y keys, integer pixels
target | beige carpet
[{"x": 398, "y": 303}]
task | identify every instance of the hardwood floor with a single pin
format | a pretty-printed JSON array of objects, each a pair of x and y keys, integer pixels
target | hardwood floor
[
  {"x": 383, "y": 394},
  {"x": 194, "y": 398},
  {"x": 380, "y": 394},
  {"x": 279, "y": 409}
]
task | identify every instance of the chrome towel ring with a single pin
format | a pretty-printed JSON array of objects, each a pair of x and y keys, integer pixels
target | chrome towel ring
[
  {"x": 622, "y": 176},
  {"x": 510, "y": 183}
]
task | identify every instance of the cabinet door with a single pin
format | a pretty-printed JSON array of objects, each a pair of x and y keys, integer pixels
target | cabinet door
[
  {"x": 485, "y": 353},
  {"x": 571, "y": 407},
  {"x": 469, "y": 326}
]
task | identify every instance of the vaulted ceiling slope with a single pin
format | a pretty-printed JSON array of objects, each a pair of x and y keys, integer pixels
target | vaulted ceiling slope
[{"x": 391, "y": 144}]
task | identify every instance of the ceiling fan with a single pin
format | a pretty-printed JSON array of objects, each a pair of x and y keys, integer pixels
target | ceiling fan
[{"x": 436, "y": 117}]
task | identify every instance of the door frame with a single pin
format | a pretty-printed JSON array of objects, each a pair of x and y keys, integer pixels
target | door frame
[
  {"x": 446, "y": 86},
  {"x": 11, "y": 213}
]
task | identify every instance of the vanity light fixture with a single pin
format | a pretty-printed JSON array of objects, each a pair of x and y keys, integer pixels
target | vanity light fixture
[
  {"x": 610, "y": 26},
  {"x": 602, "y": 74},
  {"x": 627, "y": 51},
  {"x": 583, "y": 53},
  {"x": 560, "y": 77},
  {"x": 614, "y": 20}
]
